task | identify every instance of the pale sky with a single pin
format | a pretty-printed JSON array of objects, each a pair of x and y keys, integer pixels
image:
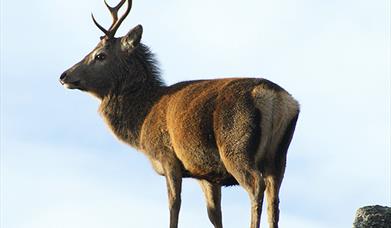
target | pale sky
[{"x": 62, "y": 168}]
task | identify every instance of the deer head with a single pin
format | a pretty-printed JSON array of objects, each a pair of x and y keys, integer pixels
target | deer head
[{"x": 106, "y": 65}]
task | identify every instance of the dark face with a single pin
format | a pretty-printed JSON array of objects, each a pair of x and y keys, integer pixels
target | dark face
[{"x": 97, "y": 71}]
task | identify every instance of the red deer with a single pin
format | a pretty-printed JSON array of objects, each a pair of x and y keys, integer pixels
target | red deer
[{"x": 221, "y": 132}]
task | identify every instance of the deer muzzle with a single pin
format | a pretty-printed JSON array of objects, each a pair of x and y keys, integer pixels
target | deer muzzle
[{"x": 68, "y": 82}]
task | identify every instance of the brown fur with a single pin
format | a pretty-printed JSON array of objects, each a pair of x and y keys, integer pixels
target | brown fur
[
  {"x": 212, "y": 130},
  {"x": 222, "y": 132},
  {"x": 209, "y": 130}
]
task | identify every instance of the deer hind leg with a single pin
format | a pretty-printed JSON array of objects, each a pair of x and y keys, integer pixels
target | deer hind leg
[
  {"x": 172, "y": 172},
  {"x": 254, "y": 184},
  {"x": 272, "y": 191},
  {"x": 255, "y": 188},
  {"x": 252, "y": 181},
  {"x": 212, "y": 194},
  {"x": 273, "y": 183},
  {"x": 275, "y": 174},
  {"x": 240, "y": 163}
]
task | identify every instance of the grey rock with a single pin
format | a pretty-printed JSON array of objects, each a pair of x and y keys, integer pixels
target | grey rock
[{"x": 373, "y": 217}]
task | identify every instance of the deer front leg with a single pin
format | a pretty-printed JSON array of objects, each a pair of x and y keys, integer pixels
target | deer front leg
[
  {"x": 213, "y": 202},
  {"x": 174, "y": 185}
]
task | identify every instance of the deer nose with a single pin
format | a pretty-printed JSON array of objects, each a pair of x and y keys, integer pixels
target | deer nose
[{"x": 62, "y": 77}]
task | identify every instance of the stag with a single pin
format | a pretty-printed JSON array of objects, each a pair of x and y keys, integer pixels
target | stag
[{"x": 222, "y": 132}]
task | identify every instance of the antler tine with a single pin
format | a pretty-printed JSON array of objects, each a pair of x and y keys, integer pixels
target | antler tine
[
  {"x": 114, "y": 11},
  {"x": 116, "y": 22},
  {"x": 99, "y": 26},
  {"x": 113, "y": 29}
]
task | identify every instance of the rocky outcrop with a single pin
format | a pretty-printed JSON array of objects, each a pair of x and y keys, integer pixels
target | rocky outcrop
[{"x": 373, "y": 217}]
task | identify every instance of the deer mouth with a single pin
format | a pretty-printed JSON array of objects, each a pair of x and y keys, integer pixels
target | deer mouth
[{"x": 71, "y": 85}]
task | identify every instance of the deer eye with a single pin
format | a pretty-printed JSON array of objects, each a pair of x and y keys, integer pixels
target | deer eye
[{"x": 100, "y": 56}]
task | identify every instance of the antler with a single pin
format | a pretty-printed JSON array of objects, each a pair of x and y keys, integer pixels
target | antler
[{"x": 114, "y": 14}]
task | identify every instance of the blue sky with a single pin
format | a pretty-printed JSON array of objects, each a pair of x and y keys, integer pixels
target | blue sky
[{"x": 61, "y": 167}]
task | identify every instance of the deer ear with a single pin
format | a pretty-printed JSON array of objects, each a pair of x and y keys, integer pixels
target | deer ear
[{"x": 132, "y": 39}]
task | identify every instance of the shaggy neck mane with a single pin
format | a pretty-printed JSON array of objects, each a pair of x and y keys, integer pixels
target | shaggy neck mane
[
  {"x": 138, "y": 87},
  {"x": 146, "y": 66}
]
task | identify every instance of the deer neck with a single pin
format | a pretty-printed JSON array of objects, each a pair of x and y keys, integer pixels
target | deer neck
[{"x": 125, "y": 113}]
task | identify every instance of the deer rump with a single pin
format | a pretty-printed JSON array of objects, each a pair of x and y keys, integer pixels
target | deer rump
[{"x": 213, "y": 126}]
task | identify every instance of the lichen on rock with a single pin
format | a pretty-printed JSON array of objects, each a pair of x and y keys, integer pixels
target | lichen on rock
[{"x": 373, "y": 217}]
